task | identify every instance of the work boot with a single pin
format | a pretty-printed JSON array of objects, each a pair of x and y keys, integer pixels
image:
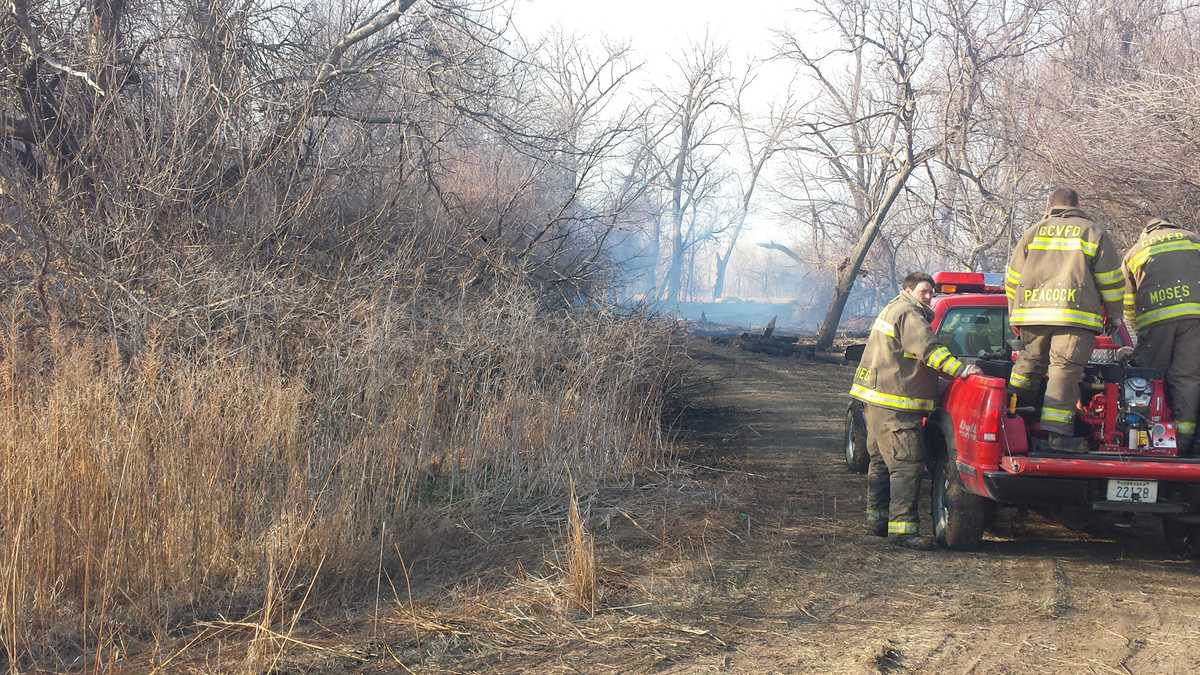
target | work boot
[
  {"x": 1062, "y": 443},
  {"x": 912, "y": 541},
  {"x": 877, "y": 528}
]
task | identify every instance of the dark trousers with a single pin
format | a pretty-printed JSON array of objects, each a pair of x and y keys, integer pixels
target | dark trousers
[
  {"x": 1059, "y": 354},
  {"x": 1174, "y": 348},
  {"x": 897, "y": 451}
]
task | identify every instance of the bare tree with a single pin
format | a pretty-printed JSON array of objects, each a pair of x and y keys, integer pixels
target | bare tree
[
  {"x": 695, "y": 113},
  {"x": 875, "y": 134},
  {"x": 760, "y": 141},
  {"x": 984, "y": 180},
  {"x": 1114, "y": 110}
]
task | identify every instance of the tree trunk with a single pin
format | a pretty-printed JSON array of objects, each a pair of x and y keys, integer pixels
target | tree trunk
[
  {"x": 723, "y": 261},
  {"x": 651, "y": 284},
  {"x": 848, "y": 271},
  {"x": 690, "y": 289},
  {"x": 675, "y": 271},
  {"x": 719, "y": 283}
]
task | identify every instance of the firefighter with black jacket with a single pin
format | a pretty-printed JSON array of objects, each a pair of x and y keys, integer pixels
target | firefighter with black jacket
[
  {"x": 1064, "y": 285},
  {"x": 1162, "y": 301},
  {"x": 897, "y": 382}
]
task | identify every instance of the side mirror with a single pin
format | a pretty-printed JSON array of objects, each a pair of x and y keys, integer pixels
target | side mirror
[{"x": 854, "y": 353}]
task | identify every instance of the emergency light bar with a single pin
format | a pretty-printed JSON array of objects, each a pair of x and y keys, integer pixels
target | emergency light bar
[{"x": 968, "y": 282}]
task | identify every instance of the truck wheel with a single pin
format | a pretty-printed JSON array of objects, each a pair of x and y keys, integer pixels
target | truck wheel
[
  {"x": 959, "y": 517},
  {"x": 1182, "y": 538},
  {"x": 857, "y": 458}
]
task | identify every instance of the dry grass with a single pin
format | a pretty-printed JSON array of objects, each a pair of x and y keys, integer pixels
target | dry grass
[
  {"x": 581, "y": 558},
  {"x": 238, "y": 377},
  {"x": 533, "y": 623},
  {"x": 148, "y": 494}
]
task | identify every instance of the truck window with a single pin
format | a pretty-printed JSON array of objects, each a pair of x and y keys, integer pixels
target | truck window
[{"x": 967, "y": 331}]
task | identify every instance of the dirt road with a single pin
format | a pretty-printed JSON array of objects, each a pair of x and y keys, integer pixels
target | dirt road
[
  {"x": 753, "y": 559},
  {"x": 801, "y": 589}
]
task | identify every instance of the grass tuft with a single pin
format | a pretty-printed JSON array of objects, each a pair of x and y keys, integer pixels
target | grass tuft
[{"x": 581, "y": 558}]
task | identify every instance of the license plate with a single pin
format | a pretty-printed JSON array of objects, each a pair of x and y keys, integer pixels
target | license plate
[{"x": 1144, "y": 491}]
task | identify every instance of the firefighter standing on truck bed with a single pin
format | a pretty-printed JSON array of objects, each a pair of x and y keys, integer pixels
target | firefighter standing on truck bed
[
  {"x": 1064, "y": 285},
  {"x": 897, "y": 380},
  {"x": 1162, "y": 300}
]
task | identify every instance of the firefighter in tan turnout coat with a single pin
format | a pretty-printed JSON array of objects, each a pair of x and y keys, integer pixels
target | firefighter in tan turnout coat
[
  {"x": 1162, "y": 301},
  {"x": 897, "y": 380},
  {"x": 1064, "y": 285}
]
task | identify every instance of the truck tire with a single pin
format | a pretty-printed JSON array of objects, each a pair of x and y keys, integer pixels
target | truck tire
[
  {"x": 1182, "y": 538},
  {"x": 857, "y": 458},
  {"x": 958, "y": 516}
]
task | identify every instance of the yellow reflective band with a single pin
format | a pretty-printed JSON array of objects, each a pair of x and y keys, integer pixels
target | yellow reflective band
[
  {"x": 1057, "y": 415},
  {"x": 1012, "y": 275},
  {"x": 867, "y": 395},
  {"x": 1138, "y": 259},
  {"x": 1020, "y": 381},
  {"x": 1108, "y": 278},
  {"x": 1188, "y": 428},
  {"x": 1039, "y": 315},
  {"x": 1129, "y": 298},
  {"x": 1063, "y": 244},
  {"x": 1111, "y": 295},
  {"x": 951, "y": 366},
  {"x": 1152, "y": 317},
  {"x": 937, "y": 356},
  {"x": 884, "y": 327},
  {"x": 1010, "y": 293},
  {"x": 901, "y": 527}
]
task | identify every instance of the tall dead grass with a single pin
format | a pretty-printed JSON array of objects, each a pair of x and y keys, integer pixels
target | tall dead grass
[
  {"x": 581, "y": 558},
  {"x": 145, "y": 492}
]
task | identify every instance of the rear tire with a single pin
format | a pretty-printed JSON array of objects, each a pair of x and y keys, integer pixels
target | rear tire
[
  {"x": 959, "y": 517},
  {"x": 857, "y": 458},
  {"x": 1182, "y": 538}
]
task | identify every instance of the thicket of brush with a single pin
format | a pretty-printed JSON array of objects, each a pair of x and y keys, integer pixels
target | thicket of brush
[
  {"x": 142, "y": 495},
  {"x": 281, "y": 285}
]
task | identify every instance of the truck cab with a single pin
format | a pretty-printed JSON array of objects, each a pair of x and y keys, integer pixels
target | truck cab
[{"x": 984, "y": 452}]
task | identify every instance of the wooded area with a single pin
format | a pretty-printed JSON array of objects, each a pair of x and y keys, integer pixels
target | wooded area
[
  {"x": 409, "y": 239},
  {"x": 913, "y": 135}
]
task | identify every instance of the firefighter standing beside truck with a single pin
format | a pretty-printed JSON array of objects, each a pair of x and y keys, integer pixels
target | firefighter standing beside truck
[
  {"x": 897, "y": 382},
  {"x": 1064, "y": 285},
  {"x": 1162, "y": 301}
]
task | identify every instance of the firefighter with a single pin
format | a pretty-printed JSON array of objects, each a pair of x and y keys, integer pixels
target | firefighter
[
  {"x": 1162, "y": 301},
  {"x": 897, "y": 382},
  {"x": 1064, "y": 285}
]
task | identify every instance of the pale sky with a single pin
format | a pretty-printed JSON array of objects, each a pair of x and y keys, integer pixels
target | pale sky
[
  {"x": 659, "y": 30},
  {"x": 659, "y": 27}
]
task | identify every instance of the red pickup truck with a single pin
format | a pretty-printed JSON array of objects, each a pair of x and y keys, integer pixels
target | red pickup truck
[{"x": 985, "y": 452}]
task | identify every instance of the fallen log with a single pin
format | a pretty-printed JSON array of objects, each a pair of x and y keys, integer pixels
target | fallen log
[{"x": 773, "y": 347}]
